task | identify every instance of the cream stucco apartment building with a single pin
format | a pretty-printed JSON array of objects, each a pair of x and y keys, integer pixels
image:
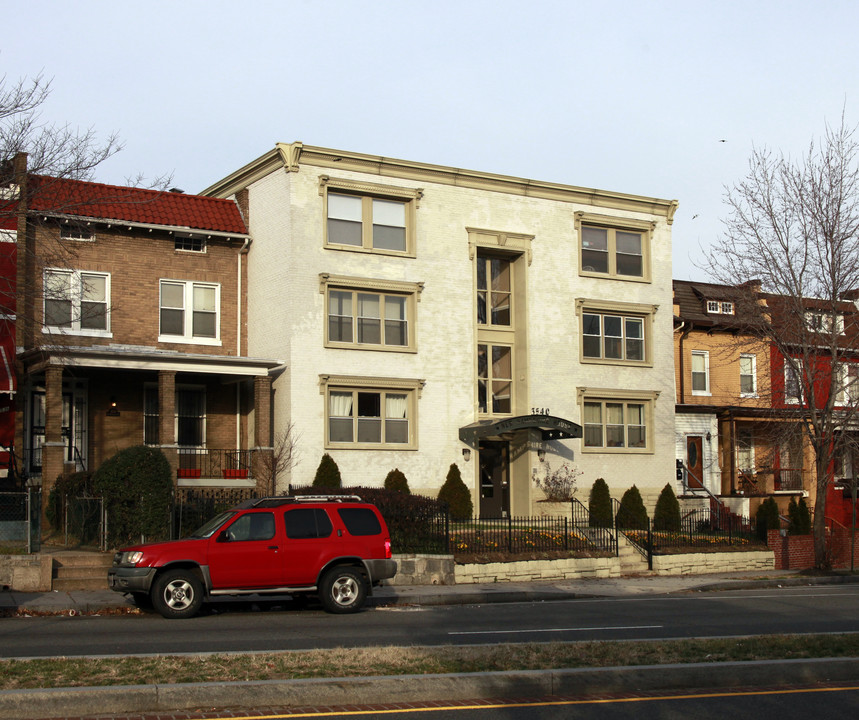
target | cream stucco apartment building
[{"x": 431, "y": 315}]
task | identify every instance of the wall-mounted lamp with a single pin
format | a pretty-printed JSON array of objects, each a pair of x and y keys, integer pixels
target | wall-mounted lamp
[
  {"x": 709, "y": 437},
  {"x": 113, "y": 408},
  {"x": 541, "y": 454},
  {"x": 466, "y": 454}
]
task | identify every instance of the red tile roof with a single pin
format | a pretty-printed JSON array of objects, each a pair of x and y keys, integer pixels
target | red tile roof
[{"x": 135, "y": 205}]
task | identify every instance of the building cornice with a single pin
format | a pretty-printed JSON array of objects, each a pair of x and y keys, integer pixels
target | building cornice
[{"x": 290, "y": 157}]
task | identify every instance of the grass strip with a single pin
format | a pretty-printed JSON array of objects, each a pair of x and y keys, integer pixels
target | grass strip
[{"x": 346, "y": 662}]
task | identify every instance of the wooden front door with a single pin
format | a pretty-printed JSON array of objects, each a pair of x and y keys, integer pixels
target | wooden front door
[{"x": 694, "y": 461}]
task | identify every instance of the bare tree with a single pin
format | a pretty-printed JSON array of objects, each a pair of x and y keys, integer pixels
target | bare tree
[
  {"x": 281, "y": 460},
  {"x": 793, "y": 225}
]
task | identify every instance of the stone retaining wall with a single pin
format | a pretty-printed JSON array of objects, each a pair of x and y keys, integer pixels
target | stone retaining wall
[
  {"x": 413, "y": 569},
  {"x": 703, "y": 563},
  {"x": 26, "y": 573},
  {"x": 527, "y": 571}
]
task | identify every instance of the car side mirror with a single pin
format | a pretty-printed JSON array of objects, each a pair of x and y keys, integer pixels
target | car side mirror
[{"x": 224, "y": 536}]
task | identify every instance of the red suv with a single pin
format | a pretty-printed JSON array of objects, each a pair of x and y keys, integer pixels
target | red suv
[{"x": 336, "y": 547}]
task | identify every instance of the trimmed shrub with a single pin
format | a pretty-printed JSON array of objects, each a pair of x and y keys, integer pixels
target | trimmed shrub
[
  {"x": 137, "y": 487},
  {"x": 767, "y": 518},
  {"x": 327, "y": 474},
  {"x": 599, "y": 504},
  {"x": 396, "y": 481},
  {"x": 456, "y": 495},
  {"x": 799, "y": 518},
  {"x": 667, "y": 515},
  {"x": 632, "y": 515}
]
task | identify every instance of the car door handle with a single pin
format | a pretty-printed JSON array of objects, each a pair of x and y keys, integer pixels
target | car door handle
[{"x": 273, "y": 547}]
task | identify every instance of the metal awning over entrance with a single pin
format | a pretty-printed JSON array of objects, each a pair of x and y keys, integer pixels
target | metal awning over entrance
[{"x": 550, "y": 427}]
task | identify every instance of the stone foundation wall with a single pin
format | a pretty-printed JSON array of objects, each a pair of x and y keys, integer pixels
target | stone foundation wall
[
  {"x": 704, "y": 563},
  {"x": 415, "y": 569},
  {"x": 26, "y": 573},
  {"x": 530, "y": 570}
]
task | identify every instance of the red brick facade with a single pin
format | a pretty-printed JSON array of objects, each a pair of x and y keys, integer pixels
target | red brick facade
[{"x": 796, "y": 552}]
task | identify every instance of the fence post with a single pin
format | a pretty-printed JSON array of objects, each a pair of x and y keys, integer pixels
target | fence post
[
  {"x": 447, "y": 531},
  {"x": 730, "y": 528},
  {"x": 649, "y": 544},
  {"x": 509, "y": 533},
  {"x": 566, "y": 534}
]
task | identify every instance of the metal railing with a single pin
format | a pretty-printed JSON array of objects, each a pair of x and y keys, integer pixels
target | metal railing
[
  {"x": 600, "y": 536},
  {"x": 788, "y": 479},
  {"x": 215, "y": 463},
  {"x": 515, "y": 535}
]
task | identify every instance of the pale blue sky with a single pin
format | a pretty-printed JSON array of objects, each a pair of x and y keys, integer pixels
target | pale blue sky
[{"x": 625, "y": 96}]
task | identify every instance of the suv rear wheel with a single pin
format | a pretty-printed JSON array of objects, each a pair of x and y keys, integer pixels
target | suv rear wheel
[
  {"x": 343, "y": 590},
  {"x": 177, "y": 594}
]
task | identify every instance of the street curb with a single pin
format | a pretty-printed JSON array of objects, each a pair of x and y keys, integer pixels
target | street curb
[{"x": 129, "y": 699}]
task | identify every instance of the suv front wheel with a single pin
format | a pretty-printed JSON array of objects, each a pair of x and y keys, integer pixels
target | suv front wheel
[
  {"x": 343, "y": 590},
  {"x": 177, "y": 594}
]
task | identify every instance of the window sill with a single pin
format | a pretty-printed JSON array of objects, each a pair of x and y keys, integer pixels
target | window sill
[
  {"x": 369, "y": 446},
  {"x": 606, "y": 276},
  {"x": 78, "y": 333},
  {"x": 609, "y": 361},
  {"x": 617, "y": 451},
  {"x": 182, "y": 340},
  {"x": 372, "y": 348},
  {"x": 701, "y": 393},
  {"x": 370, "y": 251}
]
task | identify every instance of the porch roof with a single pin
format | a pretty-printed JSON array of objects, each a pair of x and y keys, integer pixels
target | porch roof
[
  {"x": 140, "y": 358},
  {"x": 549, "y": 426}
]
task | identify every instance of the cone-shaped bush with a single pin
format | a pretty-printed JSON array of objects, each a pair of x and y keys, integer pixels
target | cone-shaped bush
[
  {"x": 327, "y": 474},
  {"x": 799, "y": 517},
  {"x": 632, "y": 514},
  {"x": 456, "y": 495},
  {"x": 767, "y": 518},
  {"x": 667, "y": 515},
  {"x": 599, "y": 504},
  {"x": 397, "y": 482}
]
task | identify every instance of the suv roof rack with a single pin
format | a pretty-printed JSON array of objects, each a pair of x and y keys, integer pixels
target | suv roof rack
[{"x": 290, "y": 499}]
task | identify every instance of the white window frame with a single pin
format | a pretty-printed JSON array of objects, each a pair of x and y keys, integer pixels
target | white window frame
[
  {"x": 705, "y": 355},
  {"x": 613, "y": 225},
  {"x": 368, "y": 193},
  {"x": 749, "y": 447},
  {"x": 77, "y": 278},
  {"x": 411, "y": 292},
  {"x": 188, "y": 337},
  {"x": 631, "y": 311},
  {"x": 181, "y": 240},
  {"x": 385, "y": 387},
  {"x": 76, "y": 232},
  {"x": 820, "y": 321},
  {"x": 754, "y": 375},
  {"x": 605, "y": 397}
]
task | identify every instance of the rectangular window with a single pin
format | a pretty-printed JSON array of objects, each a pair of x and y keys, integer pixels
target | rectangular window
[
  {"x": 190, "y": 312},
  {"x": 370, "y": 417},
  {"x": 494, "y": 291},
  {"x": 495, "y": 379},
  {"x": 74, "y": 231},
  {"x": 824, "y": 322},
  {"x": 189, "y": 416},
  {"x": 700, "y": 372},
  {"x": 77, "y": 302},
  {"x": 745, "y": 451},
  {"x": 612, "y": 337},
  {"x": 615, "y": 424},
  {"x": 793, "y": 381},
  {"x": 748, "y": 376},
  {"x": 372, "y": 315},
  {"x": 614, "y": 251},
  {"x": 369, "y": 217},
  {"x": 189, "y": 243}
]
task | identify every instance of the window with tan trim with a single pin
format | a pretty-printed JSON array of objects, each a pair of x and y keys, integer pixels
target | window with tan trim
[
  {"x": 367, "y": 217},
  {"x": 615, "y": 333},
  {"x": 370, "y": 314},
  {"x": 494, "y": 379},
  {"x": 370, "y": 413},
  {"x": 614, "y": 247},
  {"x": 617, "y": 421}
]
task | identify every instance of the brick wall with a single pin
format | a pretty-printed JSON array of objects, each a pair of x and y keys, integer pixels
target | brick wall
[{"x": 792, "y": 552}]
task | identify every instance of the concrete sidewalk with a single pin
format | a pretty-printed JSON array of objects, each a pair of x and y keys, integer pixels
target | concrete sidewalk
[{"x": 94, "y": 601}]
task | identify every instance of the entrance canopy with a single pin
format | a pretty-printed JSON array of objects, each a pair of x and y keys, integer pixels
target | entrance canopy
[{"x": 550, "y": 427}]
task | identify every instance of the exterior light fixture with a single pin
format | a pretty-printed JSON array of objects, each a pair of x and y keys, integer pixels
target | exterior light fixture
[{"x": 466, "y": 454}]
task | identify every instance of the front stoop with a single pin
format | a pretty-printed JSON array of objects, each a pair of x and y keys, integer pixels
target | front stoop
[
  {"x": 632, "y": 562},
  {"x": 80, "y": 571}
]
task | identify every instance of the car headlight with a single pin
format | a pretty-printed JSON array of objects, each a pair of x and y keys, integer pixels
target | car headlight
[{"x": 132, "y": 558}]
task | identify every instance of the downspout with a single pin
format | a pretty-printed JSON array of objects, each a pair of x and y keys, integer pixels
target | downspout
[
  {"x": 684, "y": 333},
  {"x": 243, "y": 251}
]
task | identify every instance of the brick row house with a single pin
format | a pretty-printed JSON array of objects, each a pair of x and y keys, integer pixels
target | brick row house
[
  {"x": 131, "y": 329},
  {"x": 741, "y": 401},
  {"x": 436, "y": 315}
]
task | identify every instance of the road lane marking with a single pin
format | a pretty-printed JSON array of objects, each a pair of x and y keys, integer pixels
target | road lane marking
[{"x": 554, "y": 630}]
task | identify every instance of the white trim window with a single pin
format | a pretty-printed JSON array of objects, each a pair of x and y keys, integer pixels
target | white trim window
[
  {"x": 615, "y": 424},
  {"x": 189, "y": 312},
  {"x": 700, "y": 372},
  {"x": 745, "y": 451},
  {"x": 793, "y": 372},
  {"x": 76, "y": 302},
  {"x": 76, "y": 231},
  {"x": 849, "y": 391},
  {"x": 494, "y": 379},
  {"x": 748, "y": 375}
]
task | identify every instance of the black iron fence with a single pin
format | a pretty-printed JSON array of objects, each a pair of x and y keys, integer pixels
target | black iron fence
[
  {"x": 210, "y": 463},
  {"x": 20, "y": 520}
]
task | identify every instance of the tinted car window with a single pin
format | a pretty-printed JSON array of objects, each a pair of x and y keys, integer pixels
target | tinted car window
[
  {"x": 307, "y": 523},
  {"x": 360, "y": 521},
  {"x": 253, "y": 526}
]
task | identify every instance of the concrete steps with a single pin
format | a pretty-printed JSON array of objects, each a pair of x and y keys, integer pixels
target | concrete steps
[
  {"x": 80, "y": 571},
  {"x": 632, "y": 562}
]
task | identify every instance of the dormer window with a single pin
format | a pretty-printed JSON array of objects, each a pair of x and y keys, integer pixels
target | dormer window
[
  {"x": 822, "y": 322},
  {"x": 717, "y": 307}
]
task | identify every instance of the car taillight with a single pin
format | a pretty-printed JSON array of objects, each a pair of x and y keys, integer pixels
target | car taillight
[{"x": 387, "y": 548}]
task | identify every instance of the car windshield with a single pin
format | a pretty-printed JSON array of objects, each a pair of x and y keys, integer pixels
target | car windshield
[{"x": 210, "y": 527}]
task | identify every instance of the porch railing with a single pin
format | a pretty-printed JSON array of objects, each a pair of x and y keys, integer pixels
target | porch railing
[
  {"x": 212, "y": 463},
  {"x": 788, "y": 479}
]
